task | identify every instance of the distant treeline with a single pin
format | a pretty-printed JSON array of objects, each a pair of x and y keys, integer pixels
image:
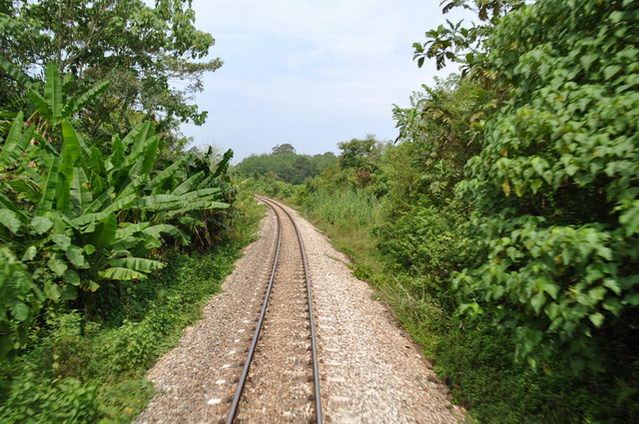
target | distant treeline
[{"x": 286, "y": 164}]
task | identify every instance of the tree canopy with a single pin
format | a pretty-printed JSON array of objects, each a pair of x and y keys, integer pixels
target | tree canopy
[
  {"x": 286, "y": 164},
  {"x": 139, "y": 50}
]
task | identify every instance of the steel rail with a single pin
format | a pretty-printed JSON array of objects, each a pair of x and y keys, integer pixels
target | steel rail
[
  {"x": 247, "y": 365},
  {"x": 251, "y": 352},
  {"x": 316, "y": 375}
]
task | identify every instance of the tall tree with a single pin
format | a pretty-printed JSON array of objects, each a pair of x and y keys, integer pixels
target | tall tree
[
  {"x": 284, "y": 148},
  {"x": 139, "y": 49}
]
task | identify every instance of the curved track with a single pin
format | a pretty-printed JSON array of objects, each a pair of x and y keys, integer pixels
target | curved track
[{"x": 236, "y": 403}]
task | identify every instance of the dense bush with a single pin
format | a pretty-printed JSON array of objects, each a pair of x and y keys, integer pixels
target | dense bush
[
  {"x": 75, "y": 216},
  {"x": 557, "y": 182},
  {"x": 140, "y": 48},
  {"x": 98, "y": 197},
  {"x": 85, "y": 371}
]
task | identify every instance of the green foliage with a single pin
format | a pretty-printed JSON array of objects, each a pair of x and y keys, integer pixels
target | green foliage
[
  {"x": 272, "y": 187},
  {"x": 64, "y": 400},
  {"x": 137, "y": 48},
  {"x": 456, "y": 43},
  {"x": 556, "y": 183},
  {"x": 92, "y": 197},
  {"x": 520, "y": 216},
  {"x": 76, "y": 216},
  {"x": 283, "y": 148},
  {"x": 362, "y": 157},
  {"x": 345, "y": 207},
  {"x": 82, "y": 370},
  {"x": 52, "y": 106},
  {"x": 21, "y": 299},
  {"x": 285, "y": 164},
  {"x": 503, "y": 226}
]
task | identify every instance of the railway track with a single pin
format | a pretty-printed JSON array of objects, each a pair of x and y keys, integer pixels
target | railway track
[{"x": 275, "y": 377}]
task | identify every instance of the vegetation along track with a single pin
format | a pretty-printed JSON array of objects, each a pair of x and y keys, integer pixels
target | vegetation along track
[{"x": 275, "y": 383}]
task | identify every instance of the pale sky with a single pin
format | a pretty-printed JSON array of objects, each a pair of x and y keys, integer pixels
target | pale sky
[{"x": 311, "y": 73}]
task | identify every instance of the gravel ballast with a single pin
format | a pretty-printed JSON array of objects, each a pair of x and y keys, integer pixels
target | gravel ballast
[
  {"x": 279, "y": 386},
  {"x": 371, "y": 372},
  {"x": 195, "y": 380}
]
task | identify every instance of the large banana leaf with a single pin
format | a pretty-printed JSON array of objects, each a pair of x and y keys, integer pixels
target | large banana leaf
[
  {"x": 130, "y": 268},
  {"x": 15, "y": 144},
  {"x": 40, "y": 103},
  {"x": 74, "y": 105},
  {"x": 121, "y": 274},
  {"x": 72, "y": 149},
  {"x": 6, "y": 203},
  {"x": 49, "y": 189},
  {"x": 26, "y": 188},
  {"x": 53, "y": 92},
  {"x": 115, "y": 160},
  {"x": 201, "y": 193},
  {"x": 167, "y": 172},
  {"x": 190, "y": 184},
  {"x": 146, "y": 161},
  {"x": 150, "y": 157},
  {"x": 197, "y": 205},
  {"x": 130, "y": 229},
  {"x": 13, "y": 71},
  {"x": 63, "y": 193},
  {"x": 159, "y": 202},
  {"x": 92, "y": 218},
  {"x": 142, "y": 164},
  {"x": 156, "y": 230},
  {"x": 100, "y": 201},
  {"x": 124, "y": 168},
  {"x": 104, "y": 233},
  {"x": 223, "y": 165},
  {"x": 81, "y": 196},
  {"x": 140, "y": 130},
  {"x": 128, "y": 233},
  {"x": 137, "y": 264},
  {"x": 141, "y": 135}
]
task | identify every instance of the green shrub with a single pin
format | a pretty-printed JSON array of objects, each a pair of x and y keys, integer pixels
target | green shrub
[
  {"x": 78, "y": 217},
  {"x": 343, "y": 207},
  {"x": 36, "y": 400},
  {"x": 103, "y": 363},
  {"x": 93, "y": 365},
  {"x": 557, "y": 184}
]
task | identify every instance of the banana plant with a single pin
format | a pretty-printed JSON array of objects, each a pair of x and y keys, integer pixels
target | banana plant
[
  {"x": 74, "y": 216},
  {"x": 53, "y": 106}
]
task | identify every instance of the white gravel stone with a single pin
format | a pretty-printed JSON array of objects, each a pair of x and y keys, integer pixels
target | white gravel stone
[
  {"x": 371, "y": 371},
  {"x": 384, "y": 377}
]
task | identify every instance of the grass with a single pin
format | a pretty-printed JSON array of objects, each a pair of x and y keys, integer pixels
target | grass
[
  {"x": 92, "y": 369},
  {"x": 346, "y": 218}
]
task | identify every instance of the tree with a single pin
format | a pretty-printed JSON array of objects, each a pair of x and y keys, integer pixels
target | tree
[
  {"x": 286, "y": 165},
  {"x": 74, "y": 217},
  {"x": 324, "y": 160},
  {"x": 137, "y": 48},
  {"x": 463, "y": 44},
  {"x": 284, "y": 148},
  {"x": 360, "y": 154}
]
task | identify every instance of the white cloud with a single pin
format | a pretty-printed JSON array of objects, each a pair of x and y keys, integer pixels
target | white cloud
[
  {"x": 319, "y": 71},
  {"x": 336, "y": 29}
]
